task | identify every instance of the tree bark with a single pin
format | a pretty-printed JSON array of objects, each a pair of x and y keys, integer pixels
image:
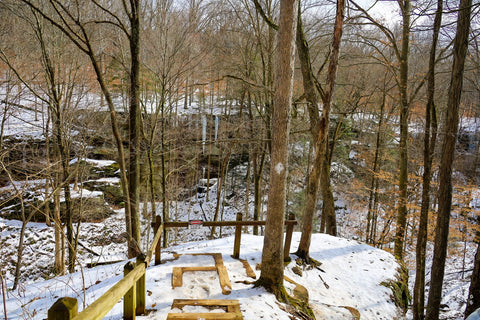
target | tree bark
[
  {"x": 403, "y": 146},
  {"x": 448, "y": 149},
  {"x": 473, "y": 301},
  {"x": 271, "y": 276},
  {"x": 134, "y": 114},
  {"x": 372, "y": 215},
  {"x": 328, "y": 208},
  {"x": 428, "y": 150},
  {"x": 319, "y": 126}
]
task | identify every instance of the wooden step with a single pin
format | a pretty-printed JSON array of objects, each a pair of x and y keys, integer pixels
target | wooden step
[
  {"x": 177, "y": 273},
  {"x": 229, "y": 305},
  {"x": 206, "y": 316},
  {"x": 232, "y": 308}
]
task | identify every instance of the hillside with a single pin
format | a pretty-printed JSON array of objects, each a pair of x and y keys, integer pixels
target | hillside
[{"x": 349, "y": 279}]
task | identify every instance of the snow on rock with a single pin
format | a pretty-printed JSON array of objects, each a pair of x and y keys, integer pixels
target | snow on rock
[
  {"x": 94, "y": 162},
  {"x": 350, "y": 279}
]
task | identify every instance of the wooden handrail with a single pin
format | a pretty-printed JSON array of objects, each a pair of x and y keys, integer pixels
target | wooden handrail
[
  {"x": 238, "y": 224},
  {"x": 132, "y": 282},
  {"x": 156, "y": 240},
  {"x": 184, "y": 224},
  {"x": 100, "y": 307}
]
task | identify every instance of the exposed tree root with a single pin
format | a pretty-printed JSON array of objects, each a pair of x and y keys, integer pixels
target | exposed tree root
[
  {"x": 305, "y": 260},
  {"x": 300, "y": 308}
]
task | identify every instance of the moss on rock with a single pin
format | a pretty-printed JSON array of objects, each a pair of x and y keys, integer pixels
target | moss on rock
[{"x": 400, "y": 293}]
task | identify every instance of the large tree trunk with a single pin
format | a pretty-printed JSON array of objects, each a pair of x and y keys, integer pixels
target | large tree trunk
[
  {"x": 134, "y": 147},
  {"x": 271, "y": 276},
  {"x": 428, "y": 150},
  {"x": 319, "y": 126},
  {"x": 312, "y": 97},
  {"x": 403, "y": 147},
  {"x": 445, "y": 172}
]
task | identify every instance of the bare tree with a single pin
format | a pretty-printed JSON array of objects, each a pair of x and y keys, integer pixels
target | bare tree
[
  {"x": 271, "y": 276},
  {"x": 448, "y": 150},
  {"x": 319, "y": 131},
  {"x": 71, "y": 22},
  {"x": 429, "y": 148}
]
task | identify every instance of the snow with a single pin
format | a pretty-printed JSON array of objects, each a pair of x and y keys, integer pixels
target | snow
[
  {"x": 95, "y": 163},
  {"x": 279, "y": 168},
  {"x": 351, "y": 275}
]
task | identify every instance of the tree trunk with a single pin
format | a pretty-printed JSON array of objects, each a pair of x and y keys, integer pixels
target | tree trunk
[
  {"x": 258, "y": 164},
  {"x": 328, "y": 209},
  {"x": 59, "y": 263},
  {"x": 448, "y": 149},
  {"x": 473, "y": 301},
  {"x": 314, "y": 171},
  {"x": 134, "y": 113},
  {"x": 403, "y": 146},
  {"x": 371, "y": 215},
  {"x": 271, "y": 276},
  {"x": 20, "y": 247},
  {"x": 428, "y": 150},
  {"x": 319, "y": 126},
  {"x": 222, "y": 176}
]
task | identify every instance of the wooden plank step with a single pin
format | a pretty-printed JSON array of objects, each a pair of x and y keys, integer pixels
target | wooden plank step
[
  {"x": 232, "y": 307},
  {"x": 177, "y": 273},
  {"x": 229, "y": 305},
  {"x": 222, "y": 273},
  {"x": 205, "y": 316}
]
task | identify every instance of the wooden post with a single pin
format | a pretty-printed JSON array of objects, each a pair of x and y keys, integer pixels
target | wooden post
[
  {"x": 158, "y": 248},
  {"x": 238, "y": 238},
  {"x": 129, "y": 299},
  {"x": 141, "y": 288},
  {"x": 288, "y": 239},
  {"x": 63, "y": 309}
]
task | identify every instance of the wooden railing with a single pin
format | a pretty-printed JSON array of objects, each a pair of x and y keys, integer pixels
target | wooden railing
[
  {"x": 132, "y": 286},
  {"x": 238, "y": 224}
]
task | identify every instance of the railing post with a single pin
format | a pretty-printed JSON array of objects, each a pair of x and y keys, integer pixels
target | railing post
[
  {"x": 129, "y": 299},
  {"x": 141, "y": 288},
  {"x": 238, "y": 238},
  {"x": 63, "y": 309},
  {"x": 288, "y": 239},
  {"x": 158, "y": 247}
]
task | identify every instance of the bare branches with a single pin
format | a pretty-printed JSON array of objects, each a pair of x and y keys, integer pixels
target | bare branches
[
  {"x": 387, "y": 32},
  {"x": 262, "y": 13}
]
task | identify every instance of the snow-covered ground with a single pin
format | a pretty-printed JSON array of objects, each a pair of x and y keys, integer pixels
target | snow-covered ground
[{"x": 351, "y": 275}]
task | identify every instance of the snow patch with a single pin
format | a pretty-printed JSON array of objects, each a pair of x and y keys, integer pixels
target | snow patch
[{"x": 279, "y": 168}]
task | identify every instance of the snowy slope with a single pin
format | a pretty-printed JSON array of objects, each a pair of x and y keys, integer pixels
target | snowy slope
[{"x": 351, "y": 276}]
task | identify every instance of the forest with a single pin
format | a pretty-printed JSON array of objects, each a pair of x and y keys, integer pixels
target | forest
[{"x": 360, "y": 118}]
